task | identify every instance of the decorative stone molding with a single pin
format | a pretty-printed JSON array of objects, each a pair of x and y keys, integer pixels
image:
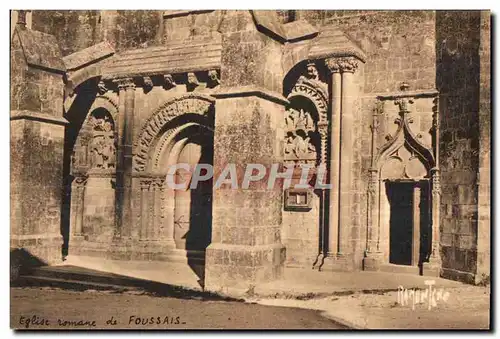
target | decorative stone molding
[
  {"x": 314, "y": 93},
  {"x": 169, "y": 81},
  {"x": 312, "y": 78},
  {"x": 196, "y": 104},
  {"x": 245, "y": 91},
  {"x": 404, "y": 133},
  {"x": 300, "y": 125}
]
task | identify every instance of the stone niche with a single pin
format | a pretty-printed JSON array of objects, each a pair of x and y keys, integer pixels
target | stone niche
[
  {"x": 93, "y": 194},
  {"x": 305, "y": 146}
]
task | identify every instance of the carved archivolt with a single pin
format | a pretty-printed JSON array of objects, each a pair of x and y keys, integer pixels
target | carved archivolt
[
  {"x": 151, "y": 130},
  {"x": 314, "y": 91}
]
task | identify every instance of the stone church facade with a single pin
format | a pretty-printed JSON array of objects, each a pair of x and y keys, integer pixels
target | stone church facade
[{"x": 395, "y": 105}]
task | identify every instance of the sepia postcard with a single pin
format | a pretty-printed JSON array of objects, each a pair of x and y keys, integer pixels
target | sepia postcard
[{"x": 250, "y": 169}]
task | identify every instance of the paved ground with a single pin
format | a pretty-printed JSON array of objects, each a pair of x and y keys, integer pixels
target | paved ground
[
  {"x": 465, "y": 307},
  {"x": 300, "y": 283},
  {"x": 50, "y": 308}
]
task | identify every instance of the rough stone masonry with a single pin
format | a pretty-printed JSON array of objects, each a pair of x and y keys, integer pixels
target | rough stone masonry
[{"x": 395, "y": 105}]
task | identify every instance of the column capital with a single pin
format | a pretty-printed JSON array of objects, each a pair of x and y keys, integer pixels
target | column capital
[
  {"x": 342, "y": 64},
  {"x": 125, "y": 83},
  {"x": 145, "y": 183}
]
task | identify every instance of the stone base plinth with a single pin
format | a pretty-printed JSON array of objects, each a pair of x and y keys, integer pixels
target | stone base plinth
[
  {"x": 34, "y": 250},
  {"x": 431, "y": 269},
  {"x": 372, "y": 262},
  {"x": 122, "y": 249},
  {"x": 236, "y": 269},
  {"x": 337, "y": 262}
]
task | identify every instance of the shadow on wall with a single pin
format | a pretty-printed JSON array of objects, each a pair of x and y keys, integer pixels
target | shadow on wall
[
  {"x": 200, "y": 219},
  {"x": 21, "y": 262}
]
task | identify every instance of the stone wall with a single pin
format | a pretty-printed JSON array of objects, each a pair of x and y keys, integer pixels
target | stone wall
[
  {"x": 484, "y": 181},
  {"x": 37, "y": 139},
  {"x": 77, "y": 29},
  {"x": 457, "y": 79}
]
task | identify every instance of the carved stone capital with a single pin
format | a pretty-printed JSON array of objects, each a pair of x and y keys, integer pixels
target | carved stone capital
[
  {"x": 169, "y": 81},
  {"x": 333, "y": 65},
  {"x": 125, "y": 83},
  {"x": 157, "y": 184},
  {"x": 343, "y": 64},
  {"x": 145, "y": 184}
]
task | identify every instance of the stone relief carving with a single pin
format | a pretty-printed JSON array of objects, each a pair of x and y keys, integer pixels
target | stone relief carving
[
  {"x": 407, "y": 130},
  {"x": 213, "y": 78},
  {"x": 192, "y": 81},
  {"x": 169, "y": 81},
  {"x": 299, "y": 125},
  {"x": 102, "y": 145}
]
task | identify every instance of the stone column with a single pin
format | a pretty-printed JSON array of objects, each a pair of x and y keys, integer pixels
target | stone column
[
  {"x": 145, "y": 186},
  {"x": 416, "y": 226},
  {"x": 349, "y": 93},
  {"x": 335, "y": 124},
  {"x": 433, "y": 267},
  {"x": 123, "y": 216},
  {"x": 78, "y": 191},
  {"x": 157, "y": 209}
]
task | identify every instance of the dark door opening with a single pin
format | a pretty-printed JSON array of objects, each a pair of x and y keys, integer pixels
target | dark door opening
[
  {"x": 409, "y": 228},
  {"x": 401, "y": 223}
]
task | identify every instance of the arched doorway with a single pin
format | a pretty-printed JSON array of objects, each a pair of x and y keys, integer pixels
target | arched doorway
[{"x": 182, "y": 217}]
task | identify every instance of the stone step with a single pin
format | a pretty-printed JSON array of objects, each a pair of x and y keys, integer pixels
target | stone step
[
  {"x": 41, "y": 281},
  {"x": 392, "y": 268},
  {"x": 73, "y": 273}
]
